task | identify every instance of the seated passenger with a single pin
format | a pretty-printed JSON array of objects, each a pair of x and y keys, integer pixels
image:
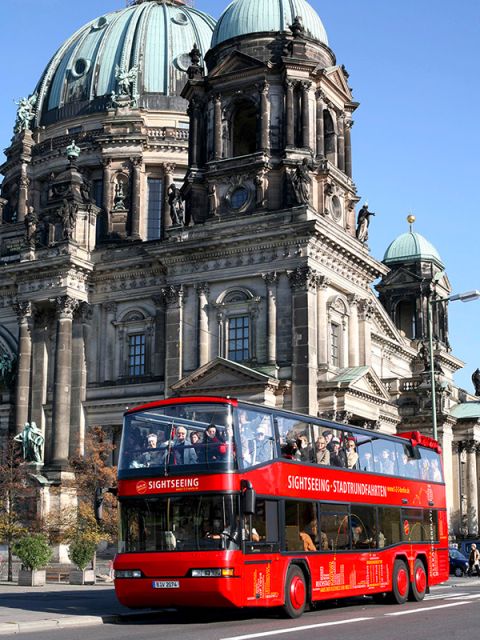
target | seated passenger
[
  {"x": 214, "y": 446},
  {"x": 155, "y": 453},
  {"x": 261, "y": 447},
  {"x": 182, "y": 452},
  {"x": 338, "y": 457},
  {"x": 304, "y": 449},
  {"x": 352, "y": 455},
  {"x": 387, "y": 465},
  {"x": 307, "y": 541},
  {"x": 289, "y": 450},
  {"x": 322, "y": 454}
]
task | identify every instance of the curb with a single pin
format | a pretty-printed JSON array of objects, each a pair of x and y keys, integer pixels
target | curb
[{"x": 11, "y": 628}]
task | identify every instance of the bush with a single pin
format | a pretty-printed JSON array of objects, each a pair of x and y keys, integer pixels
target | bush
[
  {"x": 81, "y": 552},
  {"x": 33, "y": 550}
]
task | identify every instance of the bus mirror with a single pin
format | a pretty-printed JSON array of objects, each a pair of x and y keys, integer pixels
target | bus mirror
[{"x": 248, "y": 497}]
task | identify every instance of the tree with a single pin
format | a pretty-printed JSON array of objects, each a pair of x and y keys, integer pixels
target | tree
[{"x": 14, "y": 491}]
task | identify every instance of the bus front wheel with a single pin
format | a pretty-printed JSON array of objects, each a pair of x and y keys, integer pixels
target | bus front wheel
[
  {"x": 418, "y": 587},
  {"x": 400, "y": 583},
  {"x": 295, "y": 593}
]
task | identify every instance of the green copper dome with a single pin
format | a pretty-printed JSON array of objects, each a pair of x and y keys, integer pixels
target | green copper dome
[
  {"x": 411, "y": 246},
  {"x": 243, "y": 17},
  {"x": 151, "y": 37}
]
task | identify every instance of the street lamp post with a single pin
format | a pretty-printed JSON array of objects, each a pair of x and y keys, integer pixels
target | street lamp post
[{"x": 468, "y": 296}]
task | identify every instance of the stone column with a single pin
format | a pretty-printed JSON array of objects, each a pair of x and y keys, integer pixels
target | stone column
[
  {"x": 265, "y": 118},
  {"x": 217, "y": 123},
  {"x": 348, "y": 147},
  {"x": 136, "y": 196},
  {"x": 62, "y": 392},
  {"x": 24, "y": 367},
  {"x": 472, "y": 488},
  {"x": 271, "y": 280},
  {"x": 364, "y": 333},
  {"x": 80, "y": 335},
  {"x": 107, "y": 190},
  {"x": 173, "y": 295},
  {"x": 341, "y": 141},
  {"x": 108, "y": 342},
  {"x": 322, "y": 321},
  {"x": 159, "y": 336},
  {"x": 41, "y": 324},
  {"x": 289, "y": 128},
  {"x": 320, "y": 139},
  {"x": 306, "y": 114},
  {"x": 168, "y": 169},
  {"x": 194, "y": 112},
  {"x": 303, "y": 282},
  {"x": 23, "y": 186},
  {"x": 353, "y": 360},
  {"x": 203, "y": 335}
]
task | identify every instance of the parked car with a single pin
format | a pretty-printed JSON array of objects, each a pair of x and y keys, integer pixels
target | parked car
[
  {"x": 458, "y": 562},
  {"x": 464, "y": 546}
]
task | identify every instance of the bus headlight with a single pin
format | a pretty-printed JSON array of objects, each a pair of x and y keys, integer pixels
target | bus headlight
[
  {"x": 212, "y": 573},
  {"x": 128, "y": 573}
]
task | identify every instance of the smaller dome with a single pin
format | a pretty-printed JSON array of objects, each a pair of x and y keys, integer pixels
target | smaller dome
[
  {"x": 411, "y": 246},
  {"x": 243, "y": 17}
]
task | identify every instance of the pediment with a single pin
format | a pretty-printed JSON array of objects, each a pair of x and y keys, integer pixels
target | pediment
[
  {"x": 336, "y": 76},
  {"x": 224, "y": 376},
  {"x": 362, "y": 380},
  {"x": 401, "y": 276},
  {"x": 236, "y": 62}
]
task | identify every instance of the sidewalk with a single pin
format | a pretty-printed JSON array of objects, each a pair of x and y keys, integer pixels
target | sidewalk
[{"x": 24, "y": 609}]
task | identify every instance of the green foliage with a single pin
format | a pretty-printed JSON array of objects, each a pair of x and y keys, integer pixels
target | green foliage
[
  {"x": 81, "y": 552},
  {"x": 33, "y": 550}
]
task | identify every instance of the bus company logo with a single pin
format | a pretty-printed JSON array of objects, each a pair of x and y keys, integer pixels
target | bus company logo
[
  {"x": 141, "y": 486},
  {"x": 406, "y": 527}
]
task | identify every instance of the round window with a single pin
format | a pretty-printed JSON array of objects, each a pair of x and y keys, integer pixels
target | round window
[
  {"x": 183, "y": 61},
  {"x": 238, "y": 198},
  {"x": 180, "y": 18},
  {"x": 80, "y": 67},
  {"x": 336, "y": 208}
]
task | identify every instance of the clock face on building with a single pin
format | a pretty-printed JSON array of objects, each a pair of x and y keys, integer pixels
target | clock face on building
[{"x": 238, "y": 198}]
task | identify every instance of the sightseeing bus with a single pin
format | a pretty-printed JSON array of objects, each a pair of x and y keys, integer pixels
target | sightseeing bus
[{"x": 224, "y": 503}]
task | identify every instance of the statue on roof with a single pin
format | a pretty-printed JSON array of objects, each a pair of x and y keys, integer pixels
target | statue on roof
[
  {"x": 301, "y": 182},
  {"x": 177, "y": 210},
  {"x": 125, "y": 78},
  {"x": 31, "y": 224},
  {"x": 363, "y": 222},
  {"x": 476, "y": 381},
  {"x": 25, "y": 113},
  {"x": 297, "y": 28}
]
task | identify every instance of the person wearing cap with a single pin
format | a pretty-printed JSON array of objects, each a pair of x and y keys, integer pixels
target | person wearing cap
[
  {"x": 474, "y": 561},
  {"x": 352, "y": 455},
  {"x": 328, "y": 435},
  {"x": 338, "y": 457},
  {"x": 261, "y": 447}
]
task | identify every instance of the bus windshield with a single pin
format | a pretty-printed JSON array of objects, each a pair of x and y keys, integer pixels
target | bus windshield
[
  {"x": 169, "y": 438},
  {"x": 184, "y": 523}
]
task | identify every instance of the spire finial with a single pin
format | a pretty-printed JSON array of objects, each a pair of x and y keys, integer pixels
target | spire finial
[{"x": 411, "y": 219}]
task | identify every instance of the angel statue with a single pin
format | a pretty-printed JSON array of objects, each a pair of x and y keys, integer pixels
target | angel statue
[
  {"x": 25, "y": 113},
  {"x": 32, "y": 441},
  {"x": 125, "y": 78}
]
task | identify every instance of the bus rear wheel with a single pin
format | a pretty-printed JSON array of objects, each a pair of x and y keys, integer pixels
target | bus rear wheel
[
  {"x": 295, "y": 593},
  {"x": 418, "y": 587},
  {"x": 400, "y": 583}
]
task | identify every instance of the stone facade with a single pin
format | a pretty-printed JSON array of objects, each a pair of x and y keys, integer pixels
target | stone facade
[{"x": 116, "y": 290}]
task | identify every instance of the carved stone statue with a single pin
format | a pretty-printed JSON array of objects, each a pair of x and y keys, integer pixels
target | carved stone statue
[
  {"x": 259, "y": 181},
  {"x": 301, "y": 182},
  {"x": 31, "y": 224},
  {"x": 125, "y": 79},
  {"x": 363, "y": 222},
  {"x": 25, "y": 113},
  {"x": 68, "y": 214},
  {"x": 8, "y": 366},
  {"x": 297, "y": 28},
  {"x": 119, "y": 201},
  {"x": 175, "y": 203},
  {"x": 195, "y": 69},
  {"x": 32, "y": 442},
  {"x": 476, "y": 381},
  {"x": 72, "y": 151},
  {"x": 212, "y": 199}
]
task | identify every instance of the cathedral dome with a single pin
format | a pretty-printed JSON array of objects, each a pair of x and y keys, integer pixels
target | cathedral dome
[
  {"x": 409, "y": 247},
  {"x": 243, "y": 17},
  {"x": 153, "y": 37}
]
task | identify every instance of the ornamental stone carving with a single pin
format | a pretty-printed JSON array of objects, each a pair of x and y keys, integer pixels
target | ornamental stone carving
[
  {"x": 172, "y": 294},
  {"x": 66, "y": 306},
  {"x": 303, "y": 278}
]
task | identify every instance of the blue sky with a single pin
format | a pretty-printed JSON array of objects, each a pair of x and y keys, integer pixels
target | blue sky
[{"x": 416, "y": 141}]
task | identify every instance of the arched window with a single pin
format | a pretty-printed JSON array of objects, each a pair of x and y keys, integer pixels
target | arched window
[
  {"x": 244, "y": 129},
  {"x": 237, "y": 315},
  {"x": 405, "y": 315},
  {"x": 134, "y": 336},
  {"x": 338, "y": 312},
  {"x": 330, "y": 137}
]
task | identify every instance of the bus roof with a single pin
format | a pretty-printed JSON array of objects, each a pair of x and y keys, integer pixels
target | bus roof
[{"x": 182, "y": 400}]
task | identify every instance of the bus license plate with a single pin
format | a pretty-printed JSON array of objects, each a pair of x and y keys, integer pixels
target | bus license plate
[{"x": 166, "y": 584}]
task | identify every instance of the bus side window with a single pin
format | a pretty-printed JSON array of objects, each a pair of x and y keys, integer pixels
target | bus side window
[
  {"x": 334, "y": 529},
  {"x": 389, "y": 525}
]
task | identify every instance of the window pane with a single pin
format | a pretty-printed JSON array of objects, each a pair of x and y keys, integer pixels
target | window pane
[
  {"x": 334, "y": 527},
  {"x": 238, "y": 342},
  {"x": 154, "y": 216},
  {"x": 335, "y": 344},
  {"x": 389, "y": 531},
  {"x": 136, "y": 354}
]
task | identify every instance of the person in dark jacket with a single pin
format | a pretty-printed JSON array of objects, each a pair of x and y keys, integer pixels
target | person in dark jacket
[{"x": 214, "y": 446}]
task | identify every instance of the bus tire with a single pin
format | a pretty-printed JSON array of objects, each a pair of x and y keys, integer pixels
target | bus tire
[
  {"x": 418, "y": 586},
  {"x": 400, "y": 583},
  {"x": 295, "y": 592}
]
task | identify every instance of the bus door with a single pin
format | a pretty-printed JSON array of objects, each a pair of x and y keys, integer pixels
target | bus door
[{"x": 262, "y": 583}]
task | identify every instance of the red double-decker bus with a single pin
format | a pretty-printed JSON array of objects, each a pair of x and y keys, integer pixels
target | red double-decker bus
[{"x": 229, "y": 504}]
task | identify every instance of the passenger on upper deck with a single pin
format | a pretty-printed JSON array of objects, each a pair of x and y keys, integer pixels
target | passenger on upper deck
[
  {"x": 338, "y": 457},
  {"x": 261, "y": 447},
  {"x": 387, "y": 465},
  {"x": 352, "y": 455},
  {"x": 182, "y": 452},
  {"x": 328, "y": 435},
  {"x": 214, "y": 446},
  {"x": 304, "y": 448},
  {"x": 322, "y": 454}
]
